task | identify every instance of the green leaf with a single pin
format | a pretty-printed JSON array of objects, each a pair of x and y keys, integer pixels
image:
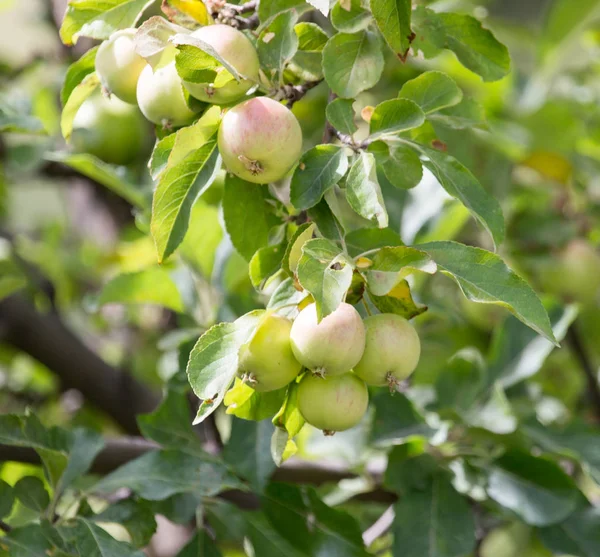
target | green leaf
[
  {"x": 246, "y": 403},
  {"x": 399, "y": 301},
  {"x": 363, "y": 192},
  {"x": 248, "y": 451},
  {"x": 352, "y": 63},
  {"x": 200, "y": 546},
  {"x": 423, "y": 524},
  {"x": 311, "y": 37},
  {"x": 77, "y": 97},
  {"x": 394, "y": 117},
  {"x": 104, "y": 174},
  {"x": 319, "y": 169},
  {"x": 396, "y": 419},
  {"x": 191, "y": 168},
  {"x": 213, "y": 362},
  {"x": 30, "y": 491},
  {"x": 432, "y": 91},
  {"x": 277, "y": 44},
  {"x": 136, "y": 516},
  {"x": 92, "y": 541},
  {"x": 393, "y": 20},
  {"x": 84, "y": 447},
  {"x": 150, "y": 286},
  {"x": 350, "y": 17},
  {"x": 284, "y": 295},
  {"x": 266, "y": 541},
  {"x": 99, "y": 20},
  {"x": 462, "y": 185},
  {"x": 340, "y": 115},
  {"x": 15, "y": 118},
  {"x": 322, "y": 215},
  {"x": 267, "y": 10},
  {"x": 152, "y": 38},
  {"x": 578, "y": 535},
  {"x": 466, "y": 114},
  {"x": 458, "y": 388},
  {"x": 7, "y": 498},
  {"x": 475, "y": 47},
  {"x": 400, "y": 164},
  {"x": 288, "y": 422},
  {"x": 534, "y": 488},
  {"x": 265, "y": 263},
  {"x": 326, "y": 273},
  {"x": 484, "y": 277},
  {"x": 169, "y": 425},
  {"x": 26, "y": 541},
  {"x": 159, "y": 474},
  {"x": 293, "y": 253},
  {"x": 248, "y": 215},
  {"x": 85, "y": 65},
  {"x": 517, "y": 353},
  {"x": 366, "y": 239},
  {"x": 392, "y": 264},
  {"x": 309, "y": 525}
]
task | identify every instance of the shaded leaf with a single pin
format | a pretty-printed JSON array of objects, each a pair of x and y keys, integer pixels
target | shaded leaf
[
  {"x": 77, "y": 97},
  {"x": 399, "y": 301},
  {"x": 350, "y": 16},
  {"x": 340, "y": 115},
  {"x": 277, "y": 43},
  {"x": 432, "y": 91},
  {"x": 85, "y": 65},
  {"x": 366, "y": 239},
  {"x": 363, "y": 192},
  {"x": 393, "y": 20}
]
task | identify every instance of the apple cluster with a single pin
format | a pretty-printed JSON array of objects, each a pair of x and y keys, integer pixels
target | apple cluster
[
  {"x": 251, "y": 135},
  {"x": 341, "y": 355}
]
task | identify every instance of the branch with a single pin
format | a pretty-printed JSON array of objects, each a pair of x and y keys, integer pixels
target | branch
[
  {"x": 576, "y": 344},
  {"x": 379, "y": 527},
  {"x": 48, "y": 340},
  {"x": 119, "y": 451}
]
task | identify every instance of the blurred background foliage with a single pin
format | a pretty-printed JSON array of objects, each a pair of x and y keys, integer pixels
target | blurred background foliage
[{"x": 532, "y": 139}]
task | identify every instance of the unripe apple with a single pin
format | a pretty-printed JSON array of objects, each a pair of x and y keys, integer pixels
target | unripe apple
[
  {"x": 109, "y": 129},
  {"x": 331, "y": 347},
  {"x": 160, "y": 96},
  {"x": 119, "y": 66},
  {"x": 260, "y": 140},
  {"x": 237, "y": 50},
  {"x": 333, "y": 403},
  {"x": 392, "y": 350},
  {"x": 267, "y": 360}
]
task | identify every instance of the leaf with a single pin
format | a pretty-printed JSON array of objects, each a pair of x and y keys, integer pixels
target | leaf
[
  {"x": 325, "y": 273},
  {"x": 14, "y": 118},
  {"x": 363, "y": 191},
  {"x": 352, "y": 63},
  {"x": 248, "y": 451},
  {"x": 535, "y": 488},
  {"x": 104, "y": 174},
  {"x": 191, "y": 168},
  {"x": 159, "y": 474},
  {"x": 319, "y": 169},
  {"x": 432, "y": 91},
  {"x": 267, "y": 10},
  {"x": 423, "y": 525},
  {"x": 135, "y": 515},
  {"x": 395, "y": 116},
  {"x": 311, "y": 37},
  {"x": 366, "y": 239},
  {"x": 169, "y": 425},
  {"x": 7, "y": 498},
  {"x": 308, "y": 524},
  {"x": 277, "y": 44},
  {"x": 401, "y": 165},
  {"x": 150, "y": 286},
  {"x": 484, "y": 277},
  {"x": 466, "y": 114},
  {"x": 458, "y": 387},
  {"x": 30, "y": 491},
  {"x": 517, "y": 353},
  {"x": 578, "y": 535},
  {"x": 284, "y": 295},
  {"x": 340, "y": 115},
  {"x": 200, "y": 546},
  {"x": 494, "y": 414},
  {"x": 396, "y": 419},
  {"x": 85, "y": 65},
  {"x": 248, "y": 215},
  {"x": 288, "y": 423},
  {"x": 350, "y": 17},
  {"x": 393, "y": 20},
  {"x": 246, "y": 403},
  {"x": 476, "y": 48},
  {"x": 399, "y": 301},
  {"x": 152, "y": 38},
  {"x": 92, "y": 541},
  {"x": 204, "y": 230},
  {"x": 462, "y": 185},
  {"x": 293, "y": 253},
  {"x": 265, "y": 263},
  {"x": 213, "y": 361},
  {"x": 84, "y": 447},
  {"x": 196, "y": 9},
  {"x": 25, "y": 541},
  {"x": 77, "y": 97},
  {"x": 321, "y": 5},
  {"x": 392, "y": 264},
  {"x": 99, "y": 20}
]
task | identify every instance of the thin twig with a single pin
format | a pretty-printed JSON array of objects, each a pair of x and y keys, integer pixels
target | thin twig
[
  {"x": 5, "y": 527},
  {"x": 379, "y": 527},
  {"x": 576, "y": 344}
]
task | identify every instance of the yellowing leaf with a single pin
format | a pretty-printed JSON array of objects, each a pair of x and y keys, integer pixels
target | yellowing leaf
[
  {"x": 192, "y": 8},
  {"x": 550, "y": 165}
]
